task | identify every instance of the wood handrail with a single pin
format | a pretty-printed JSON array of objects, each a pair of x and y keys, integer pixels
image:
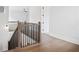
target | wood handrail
[{"x": 25, "y": 35}]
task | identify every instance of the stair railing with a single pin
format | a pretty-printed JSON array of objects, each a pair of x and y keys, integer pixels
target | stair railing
[{"x": 25, "y": 35}]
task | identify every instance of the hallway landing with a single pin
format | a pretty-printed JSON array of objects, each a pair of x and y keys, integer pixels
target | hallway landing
[{"x": 50, "y": 44}]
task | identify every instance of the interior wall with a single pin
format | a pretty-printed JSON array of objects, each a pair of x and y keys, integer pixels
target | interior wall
[
  {"x": 3, "y": 32},
  {"x": 4, "y": 17},
  {"x": 17, "y": 13},
  {"x": 34, "y": 13},
  {"x": 45, "y": 19},
  {"x": 64, "y": 23}
]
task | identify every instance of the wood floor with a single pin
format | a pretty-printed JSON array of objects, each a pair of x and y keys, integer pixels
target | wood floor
[{"x": 50, "y": 44}]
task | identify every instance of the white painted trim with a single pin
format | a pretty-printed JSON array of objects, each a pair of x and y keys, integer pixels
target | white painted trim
[{"x": 62, "y": 37}]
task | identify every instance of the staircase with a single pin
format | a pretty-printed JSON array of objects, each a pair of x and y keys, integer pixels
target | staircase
[{"x": 26, "y": 34}]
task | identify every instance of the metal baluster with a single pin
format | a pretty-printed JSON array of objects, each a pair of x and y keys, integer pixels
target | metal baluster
[
  {"x": 31, "y": 34},
  {"x": 21, "y": 32},
  {"x": 20, "y": 35},
  {"x": 25, "y": 33},
  {"x": 36, "y": 33}
]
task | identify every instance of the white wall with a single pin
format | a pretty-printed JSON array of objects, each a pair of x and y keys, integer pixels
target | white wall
[
  {"x": 4, "y": 17},
  {"x": 3, "y": 32},
  {"x": 17, "y": 13},
  {"x": 64, "y": 23},
  {"x": 35, "y": 13}
]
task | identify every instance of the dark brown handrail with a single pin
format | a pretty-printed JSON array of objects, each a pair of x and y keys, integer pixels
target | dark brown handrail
[
  {"x": 13, "y": 43},
  {"x": 26, "y": 34}
]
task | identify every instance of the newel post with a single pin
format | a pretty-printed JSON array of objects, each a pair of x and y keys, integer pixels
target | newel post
[
  {"x": 19, "y": 35},
  {"x": 39, "y": 31}
]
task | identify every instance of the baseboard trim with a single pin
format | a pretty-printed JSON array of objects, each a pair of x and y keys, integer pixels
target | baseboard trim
[{"x": 75, "y": 41}]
